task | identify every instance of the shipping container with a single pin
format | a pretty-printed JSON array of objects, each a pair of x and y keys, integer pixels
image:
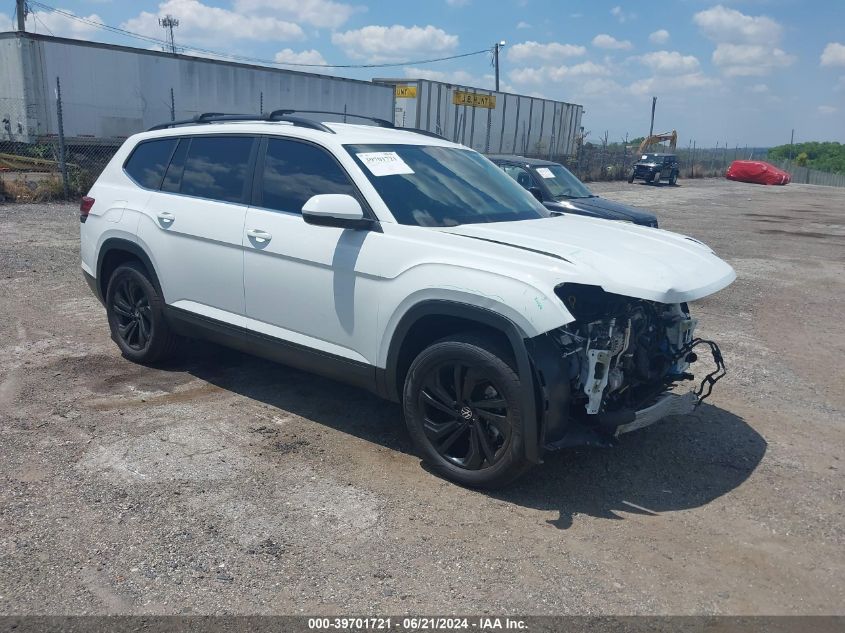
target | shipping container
[
  {"x": 488, "y": 121},
  {"x": 113, "y": 91}
]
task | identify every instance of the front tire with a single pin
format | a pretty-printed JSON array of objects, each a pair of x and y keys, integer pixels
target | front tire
[
  {"x": 673, "y": 179},
  {"x": 135, "y": 312},
  {"x": 631, "y": 178},
  {"x": 462, "y": 408}
]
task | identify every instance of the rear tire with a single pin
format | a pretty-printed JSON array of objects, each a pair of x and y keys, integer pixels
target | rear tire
[
  {"x": 135, "y": 312},
  {"x": 462, "y": 403},
  {"x": 631, "y": 178}
]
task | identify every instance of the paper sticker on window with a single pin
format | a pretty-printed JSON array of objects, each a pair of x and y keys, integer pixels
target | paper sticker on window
[
  {"x": 644, "y": 157},
  {"x": 545, "y": 172},
  {"x": 384, "y": 163}
]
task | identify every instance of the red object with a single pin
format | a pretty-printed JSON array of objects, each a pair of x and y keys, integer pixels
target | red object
[
  {"x": 758, "y": 172},
  {"x": 85, "y": 207}
]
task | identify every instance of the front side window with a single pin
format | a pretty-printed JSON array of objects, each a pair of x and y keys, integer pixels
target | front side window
[
  {"x": 429, "y": 185},
  {"x": 216, "y": 167},
  {"x": 520, "y": 175},
  {"x": 148, "y": 161},
  {"x": 295, "y": 171}
]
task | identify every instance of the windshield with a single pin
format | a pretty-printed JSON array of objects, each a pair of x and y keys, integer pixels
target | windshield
[
  {"x": 561, "y": 182},
  {"x": 656, "y": 158},
  {"x": 443, "y": 186}
]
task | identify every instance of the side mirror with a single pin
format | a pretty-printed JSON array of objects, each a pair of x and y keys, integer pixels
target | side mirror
[
  {"x": 335, "y": 209},
  {"x": 536, "y": 192}
]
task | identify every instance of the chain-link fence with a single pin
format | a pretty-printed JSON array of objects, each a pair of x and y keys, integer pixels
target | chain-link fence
[{"x": 38, "y": 164}]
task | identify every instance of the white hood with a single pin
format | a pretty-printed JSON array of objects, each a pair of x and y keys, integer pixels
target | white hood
[{"x": 622, "y": 258}]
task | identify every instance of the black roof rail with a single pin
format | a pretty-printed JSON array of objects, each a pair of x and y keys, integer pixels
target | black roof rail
[
  {"x": 379, "y": 122},
  {"x": 417, "y": 130},
  {"x": 220, "y": 117}
]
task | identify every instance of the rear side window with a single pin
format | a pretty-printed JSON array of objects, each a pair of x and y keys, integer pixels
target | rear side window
[
  {"x": 148, "y": 161},
  {"x": 216, "y": 167},
  {"x": 294, "y": 171}
]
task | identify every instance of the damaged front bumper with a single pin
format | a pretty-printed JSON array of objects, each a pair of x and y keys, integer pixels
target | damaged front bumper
[{"x": 666, "y": 405}]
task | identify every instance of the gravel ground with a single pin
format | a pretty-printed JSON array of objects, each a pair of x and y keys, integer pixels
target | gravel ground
[{"x": 225, "y": 484}]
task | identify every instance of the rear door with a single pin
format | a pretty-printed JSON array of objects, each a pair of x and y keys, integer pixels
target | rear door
[{"x": 192, "y": 227}]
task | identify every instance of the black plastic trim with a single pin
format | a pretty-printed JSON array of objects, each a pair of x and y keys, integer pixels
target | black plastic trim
[
  {"x": 338, "y": 368},
  {"x": 118, "y": 244}
]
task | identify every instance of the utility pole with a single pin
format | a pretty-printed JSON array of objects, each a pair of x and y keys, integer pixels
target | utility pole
[
  {"x": 791, "y": 141},
  {"x": 169, "y": 22},
  {"x": 21, "y": 11},
  {"x": 496, "y": 47},
  {"x": 653, "y": 105}
]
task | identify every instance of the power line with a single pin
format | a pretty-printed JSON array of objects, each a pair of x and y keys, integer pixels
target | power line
[{"x": 244, "y": 58}]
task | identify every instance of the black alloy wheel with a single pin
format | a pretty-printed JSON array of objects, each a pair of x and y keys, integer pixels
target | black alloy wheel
[
  {"x": 465, "y": 416},
  {"x": 131, "y": 307}
]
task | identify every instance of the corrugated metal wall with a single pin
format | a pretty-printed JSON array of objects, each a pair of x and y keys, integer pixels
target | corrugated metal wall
[
  {"x": 518, "y": 124},
  {"x": 112, "y": 91}
]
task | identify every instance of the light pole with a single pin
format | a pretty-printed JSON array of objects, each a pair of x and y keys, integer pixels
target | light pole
[{"x": 496, "y": 48}]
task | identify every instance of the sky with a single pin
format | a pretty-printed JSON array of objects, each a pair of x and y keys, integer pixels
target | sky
[{"x": 735, "y": 72}]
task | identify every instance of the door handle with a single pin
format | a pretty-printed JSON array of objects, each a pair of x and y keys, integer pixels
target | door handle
[
  {"x": 166, "y": 217},
  {"x": 259, "y": 236}
]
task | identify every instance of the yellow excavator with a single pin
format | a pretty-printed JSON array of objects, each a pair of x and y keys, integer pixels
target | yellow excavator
[{"x": 672, "y": 137}]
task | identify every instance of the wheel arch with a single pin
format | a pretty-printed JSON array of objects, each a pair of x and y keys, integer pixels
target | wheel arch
[
  {"x": 115, "y": 251},
  {"x": 433, "y": 319}
]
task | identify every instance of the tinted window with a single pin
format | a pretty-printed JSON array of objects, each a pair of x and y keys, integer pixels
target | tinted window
[
  {"x": 294, "y": 172},
  {"x": 519, "y": 174},
  {"x": 173, "y": 177},
  {"x": 429, "y": 185},
  {"x": 561, "y": 183},
  {"x": 216, "y": 167},
  {"x": 149, "y": 160}
]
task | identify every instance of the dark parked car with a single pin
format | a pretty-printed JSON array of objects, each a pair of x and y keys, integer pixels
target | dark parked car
[
  {"x": 560, "y": 191},
  {"x": 655, "y": 167}
]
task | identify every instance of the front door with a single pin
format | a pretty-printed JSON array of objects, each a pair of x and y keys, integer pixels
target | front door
[{"x": 301, "y": 281}]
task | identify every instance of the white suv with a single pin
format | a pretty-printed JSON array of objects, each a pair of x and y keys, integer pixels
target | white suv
[{"x": 408, "y": 265}]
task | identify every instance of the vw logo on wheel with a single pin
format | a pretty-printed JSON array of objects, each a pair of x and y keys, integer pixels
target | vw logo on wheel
[{"x": 466, "y": 413}]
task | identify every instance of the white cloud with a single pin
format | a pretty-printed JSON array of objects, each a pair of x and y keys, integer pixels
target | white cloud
[
  {"x": 204, "y": 25},
  {"x": 5, "y": 22},
  {"x": 660, "y": 36},
  {"x": 721, "y": 24},
  {"x": 676, "y": 83},
  {"x": 746, "y": 46},
  {"x": 455, "y": 77},
  {"x": 457, "y": 3},
  {"x": 621, "y": 15},
  {"x": 603, "y": 40},
  {"x": 759, "y": 89},
  {"x": 523, "y": 25},
  {"x": 551, "y": 51},
  {"x": 288, "y": 56},
  {"x": 827, "y": 109},
  {"x": 60, "y": 25},
  {"x": 833, "y": 55},
  {"x": 545, "y": 74},
  {"x": 750, "y": 60},
  {"x": 670, "y": 62},
  {"x": 385, "y": 43},
  {"x": 319, "y": 13}
]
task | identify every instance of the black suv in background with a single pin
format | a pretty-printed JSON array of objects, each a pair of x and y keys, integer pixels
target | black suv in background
[
  {"x": 655, "y": 167},
  {"x": 559, "y": 190}
]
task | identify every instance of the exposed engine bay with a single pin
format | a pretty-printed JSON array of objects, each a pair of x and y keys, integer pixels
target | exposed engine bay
[{"x": 622, "y": 354}]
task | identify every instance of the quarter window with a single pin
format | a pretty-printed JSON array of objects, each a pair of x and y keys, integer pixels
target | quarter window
[
  {"x": 147, "y": 163},
  {"x": 294, "y": 172},
  {"x": 216, "y": 167}
]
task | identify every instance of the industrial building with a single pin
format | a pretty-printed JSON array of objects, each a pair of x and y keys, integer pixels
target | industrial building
[
  {"x": 486, "y": 120},
  {"x": 110, "y": 92}
]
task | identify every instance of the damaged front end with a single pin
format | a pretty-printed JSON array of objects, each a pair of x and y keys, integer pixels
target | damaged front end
[{"x": 613, "y": 369}]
